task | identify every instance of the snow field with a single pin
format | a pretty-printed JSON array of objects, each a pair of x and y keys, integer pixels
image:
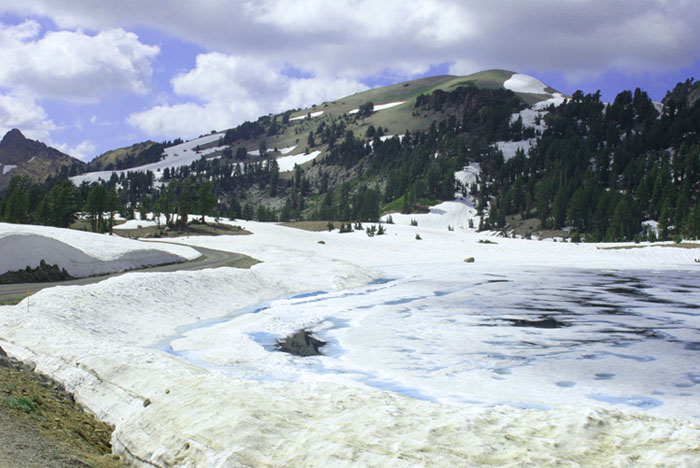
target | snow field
[{"x": 196, "y": 344}]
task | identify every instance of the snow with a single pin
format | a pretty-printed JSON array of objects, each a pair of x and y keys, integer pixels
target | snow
[
  {"x": 288, "y": 149},
  {"x": 519, "y": 83},
  {"x": 287, "y": 163},
  {"x": 509, "y": 148},
  {"x": 302, "y": 117},
  {"x": 429, "y": 361},
  {"x": 176, "y": 156},
  {"x": 81, "y": 253},
  {"x": 7, "y": 168},
  {"x": 379, "y": 107}
]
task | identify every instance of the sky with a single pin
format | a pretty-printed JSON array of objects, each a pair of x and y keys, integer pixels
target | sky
[{"x": 87, "y": 76}]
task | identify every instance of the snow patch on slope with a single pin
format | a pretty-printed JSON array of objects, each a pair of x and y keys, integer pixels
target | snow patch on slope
[
  {"x": 287, "y": 163},
  {"x": 311, "y": 115},
  {"x": 379, "y": 107},
  {"x": 519, "y": 83},
  {"x": 176, "y": 156},
  {"x": 7, "y": 168}
]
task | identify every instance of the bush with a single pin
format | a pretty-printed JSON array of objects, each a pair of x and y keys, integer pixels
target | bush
[
  {"x": 414, "y": 222},
  {"x": 418, "y": 237}
]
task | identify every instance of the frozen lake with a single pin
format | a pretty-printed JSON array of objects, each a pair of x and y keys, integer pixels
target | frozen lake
[{"x": 536, "y": 338}]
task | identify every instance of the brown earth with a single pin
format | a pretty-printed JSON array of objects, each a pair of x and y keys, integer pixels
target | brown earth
[{"x": 42, "y": 426}]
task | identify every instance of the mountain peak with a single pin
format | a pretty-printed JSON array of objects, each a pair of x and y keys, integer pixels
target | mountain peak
[{"x": 13, "y": 136}]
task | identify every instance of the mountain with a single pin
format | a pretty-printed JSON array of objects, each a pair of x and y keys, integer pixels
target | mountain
[
  {"x": 287, "y": 134},
  {"x": 21, "y": 156}
]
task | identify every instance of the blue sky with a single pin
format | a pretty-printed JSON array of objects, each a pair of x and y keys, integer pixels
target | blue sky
[{"x": 89, "y": 76}]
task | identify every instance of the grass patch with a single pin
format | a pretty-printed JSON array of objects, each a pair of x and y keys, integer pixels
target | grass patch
[
  {"x": 21, "y": 403},
  {"x": 11, "y": 301},
  {"x": 192, "y": 229}
]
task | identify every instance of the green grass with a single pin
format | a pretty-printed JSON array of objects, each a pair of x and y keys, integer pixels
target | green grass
[{"x": 21, "y": 404}]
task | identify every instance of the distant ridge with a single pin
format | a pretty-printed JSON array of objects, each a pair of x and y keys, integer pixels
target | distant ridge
[{"x": 34, "y": 159}]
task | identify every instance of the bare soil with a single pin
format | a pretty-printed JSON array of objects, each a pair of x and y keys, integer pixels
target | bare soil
[{"x": 41, "y": 426}]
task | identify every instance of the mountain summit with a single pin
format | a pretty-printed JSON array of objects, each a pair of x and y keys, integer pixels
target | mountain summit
[{"x": 22, "y": 156}]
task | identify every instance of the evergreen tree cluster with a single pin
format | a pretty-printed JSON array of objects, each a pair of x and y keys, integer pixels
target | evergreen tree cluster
[{"x": 603, "y": 168}]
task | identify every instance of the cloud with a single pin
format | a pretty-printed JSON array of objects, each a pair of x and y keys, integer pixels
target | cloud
[
  {"x": 72, "y": 65},
  {"x": 20, "y": 110},
  {"x": 85, "y": 150},
  {"x": 361, "y": 38},
  {"x": 232, "y": 89}
]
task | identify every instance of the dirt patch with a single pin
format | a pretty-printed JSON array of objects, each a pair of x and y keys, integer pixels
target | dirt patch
[
  {"x": 192, "y": 229},
  {"x": 41, "y": 425},
  {"x": 314, "y": 226}
]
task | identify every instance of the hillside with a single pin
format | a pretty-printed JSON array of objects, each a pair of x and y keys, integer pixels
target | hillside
[
  {"x": 20, "y": 156},
  {"x": 505, "y": 151}
]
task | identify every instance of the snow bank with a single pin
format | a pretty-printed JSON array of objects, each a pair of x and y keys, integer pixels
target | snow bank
[
  {"x": 81, "y": 253},
  {"x": 287, "y": 163}
]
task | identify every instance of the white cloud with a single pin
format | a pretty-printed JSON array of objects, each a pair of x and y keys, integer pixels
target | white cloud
[
  {"x": 85, "y": 150},
  {"x": 73, "y": 65},
  {"x": 230, "y": 90},
  {"x": 361, "y": 38},
  {"x": 20, "y": 110}
]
